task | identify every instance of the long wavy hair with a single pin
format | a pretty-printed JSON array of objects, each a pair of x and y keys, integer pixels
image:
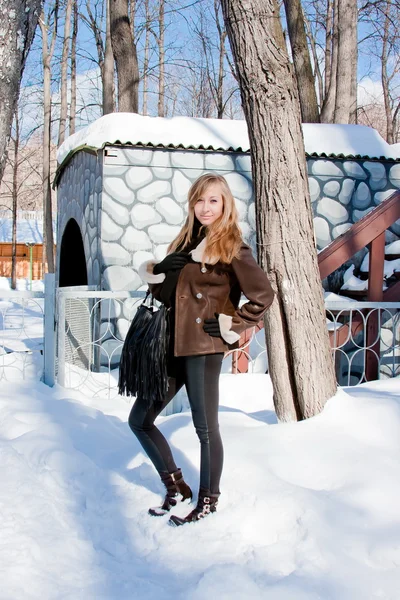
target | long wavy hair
[{"x": 223, "y": 237}]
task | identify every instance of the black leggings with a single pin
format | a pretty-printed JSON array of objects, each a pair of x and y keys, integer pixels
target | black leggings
[{"x": 200, "y": 374}]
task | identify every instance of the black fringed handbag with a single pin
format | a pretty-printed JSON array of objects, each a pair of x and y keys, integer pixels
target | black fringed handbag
[{"x": 143, "y": 363}]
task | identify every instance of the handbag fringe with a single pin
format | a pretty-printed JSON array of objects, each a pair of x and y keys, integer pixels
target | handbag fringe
[{"x": 143, "y": 363}]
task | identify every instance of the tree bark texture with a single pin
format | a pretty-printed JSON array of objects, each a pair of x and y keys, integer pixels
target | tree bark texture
[
  {"x": 347, "y": 46},
  {"x": 108, "y": 68},
  {"x": 299, "y": 355},
  {"x": 302, "y": 62},
  {"x": 64, "y": 74},
  {"x": 18, "y": 24},
  {"x": 124, "y": 50}
]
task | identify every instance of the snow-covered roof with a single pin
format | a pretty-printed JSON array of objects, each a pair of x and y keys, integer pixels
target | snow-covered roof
[
  {"x": 221, "y": 134},
  {"x": 28, "y": 230}
]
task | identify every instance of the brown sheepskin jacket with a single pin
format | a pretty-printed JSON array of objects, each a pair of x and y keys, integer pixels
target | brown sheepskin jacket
[{"x": 203, "y": 291}]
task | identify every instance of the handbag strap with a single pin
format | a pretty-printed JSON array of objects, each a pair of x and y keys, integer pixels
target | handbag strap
[{"x": 148, "y": 293}]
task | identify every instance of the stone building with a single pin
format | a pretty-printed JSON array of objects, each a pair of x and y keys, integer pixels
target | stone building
[
  {"x": 123, "y": 182},
  {"x": 122, "y": 188}
]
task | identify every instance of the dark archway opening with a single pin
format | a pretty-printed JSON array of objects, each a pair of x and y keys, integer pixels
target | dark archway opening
[{"x": 72, "y": 257}]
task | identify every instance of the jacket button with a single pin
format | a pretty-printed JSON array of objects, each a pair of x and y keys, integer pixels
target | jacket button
[
  {"x": 198, "y": 320},
  {"x": 199, "y": 295},
  {"x": 203, "y": 270}
]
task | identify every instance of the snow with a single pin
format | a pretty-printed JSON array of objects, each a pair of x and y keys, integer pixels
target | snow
[
  {"x": 393, "y": 248},
  {"x": 224, "y": 134},
  {"x": 28, "y": 230},
  {"x": 308, "y": 511},
  {"x": 23, "y": 284},
  {"x": 390, "y": 266}
]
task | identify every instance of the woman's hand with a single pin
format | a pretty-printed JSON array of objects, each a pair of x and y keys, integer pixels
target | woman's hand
[
  {"x": 172, "y": 262},
  {"x": 211, "y": 326}
]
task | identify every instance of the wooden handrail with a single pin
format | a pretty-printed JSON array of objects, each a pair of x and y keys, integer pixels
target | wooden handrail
[{"x": 359, "y": 235}]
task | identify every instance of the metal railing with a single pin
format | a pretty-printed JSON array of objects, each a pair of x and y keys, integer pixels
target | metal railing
[
  {"x": 365, "y": 337},
  {"x": 83, "y": 352},
  {"x": 88, "y": 354}
]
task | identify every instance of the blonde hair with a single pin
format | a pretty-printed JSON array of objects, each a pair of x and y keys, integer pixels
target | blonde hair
[{"x": 223, "y": 237}]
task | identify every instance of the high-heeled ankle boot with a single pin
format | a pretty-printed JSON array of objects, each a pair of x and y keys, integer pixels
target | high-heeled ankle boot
[
  {"x": 175, "y": 485},
  {"x": 206, "y": 504}
]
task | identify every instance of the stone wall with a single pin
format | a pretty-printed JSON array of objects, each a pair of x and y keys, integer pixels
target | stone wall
[
  {"x": 133, "y": 205},
  {"x": 144, "y": 204},
  {"x": 79, "y": 197},
  {"x": 130, "y": 203},
  {"x": 343, "y": 191}
]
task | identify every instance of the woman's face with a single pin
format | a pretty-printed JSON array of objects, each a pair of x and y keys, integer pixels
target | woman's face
[{"x": 209, "y": 207}]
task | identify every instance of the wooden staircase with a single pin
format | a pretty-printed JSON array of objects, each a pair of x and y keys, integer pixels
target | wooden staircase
[{"x": 368, "y": 231}]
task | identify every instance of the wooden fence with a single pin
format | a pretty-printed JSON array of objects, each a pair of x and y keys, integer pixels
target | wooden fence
[{"x": 23, "y": 262}]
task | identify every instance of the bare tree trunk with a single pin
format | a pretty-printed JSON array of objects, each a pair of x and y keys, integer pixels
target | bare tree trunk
[
  {"x": 353, "y": 91},
  {"x": 222, "y": 53},
  {"x": 317, "y": 68},
  {"x": 108, "y": 68},
  {"x": 18, "y": 24},
  {"x": 328, "y": 105},
  {"x": 300, "y": 360},
  {"x": 328, "y": 44},
  {"x": 301, "y": 61},
  {"x": 124, "y": 50},
  {"x": 146, "y": 58},
  {"x": 132, "y": 15},
  {"x": 385, "y": 75},
  {"x": 64, "y": 74},
  {"x": 92, "y": 22},
  {"x": 161, "y": 60},
  {"x": 47, "y": 53},
  {"x": 72, "y": 110},
  {"x": 347, "y": 45},
  {"x": 14, "y": 204}
]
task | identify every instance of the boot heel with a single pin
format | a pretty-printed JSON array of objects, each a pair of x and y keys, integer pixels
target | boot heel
[
  {"x": 175, "y": 485},
  {"x": 206, "y": 504}
]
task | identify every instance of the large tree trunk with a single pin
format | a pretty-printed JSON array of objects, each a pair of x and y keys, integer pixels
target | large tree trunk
[
  {"x": 108, "y": 68},
  {"x": 64, "y": 74},
  {"x": 347, "y": 46},
  {"x": 302, "y": 62},
  {"x": 299, "y": 354},
  {"x": 124, "y": 50},
  {"x": 18, "y": 24}
]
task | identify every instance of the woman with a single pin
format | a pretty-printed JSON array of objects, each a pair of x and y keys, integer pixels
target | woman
[{"x": 202, "y": 278}]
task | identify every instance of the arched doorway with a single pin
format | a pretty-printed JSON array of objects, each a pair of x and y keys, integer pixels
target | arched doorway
[{"x": 72, "y": 257}]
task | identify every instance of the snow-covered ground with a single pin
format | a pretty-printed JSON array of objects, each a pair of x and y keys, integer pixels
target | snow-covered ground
[
  {"x": 21, "y": 322},
  {"x": 308, "y": 511}
]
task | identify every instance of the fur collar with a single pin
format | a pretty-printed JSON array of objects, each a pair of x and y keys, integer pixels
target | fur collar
[{"x": 198, "y": 254}]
